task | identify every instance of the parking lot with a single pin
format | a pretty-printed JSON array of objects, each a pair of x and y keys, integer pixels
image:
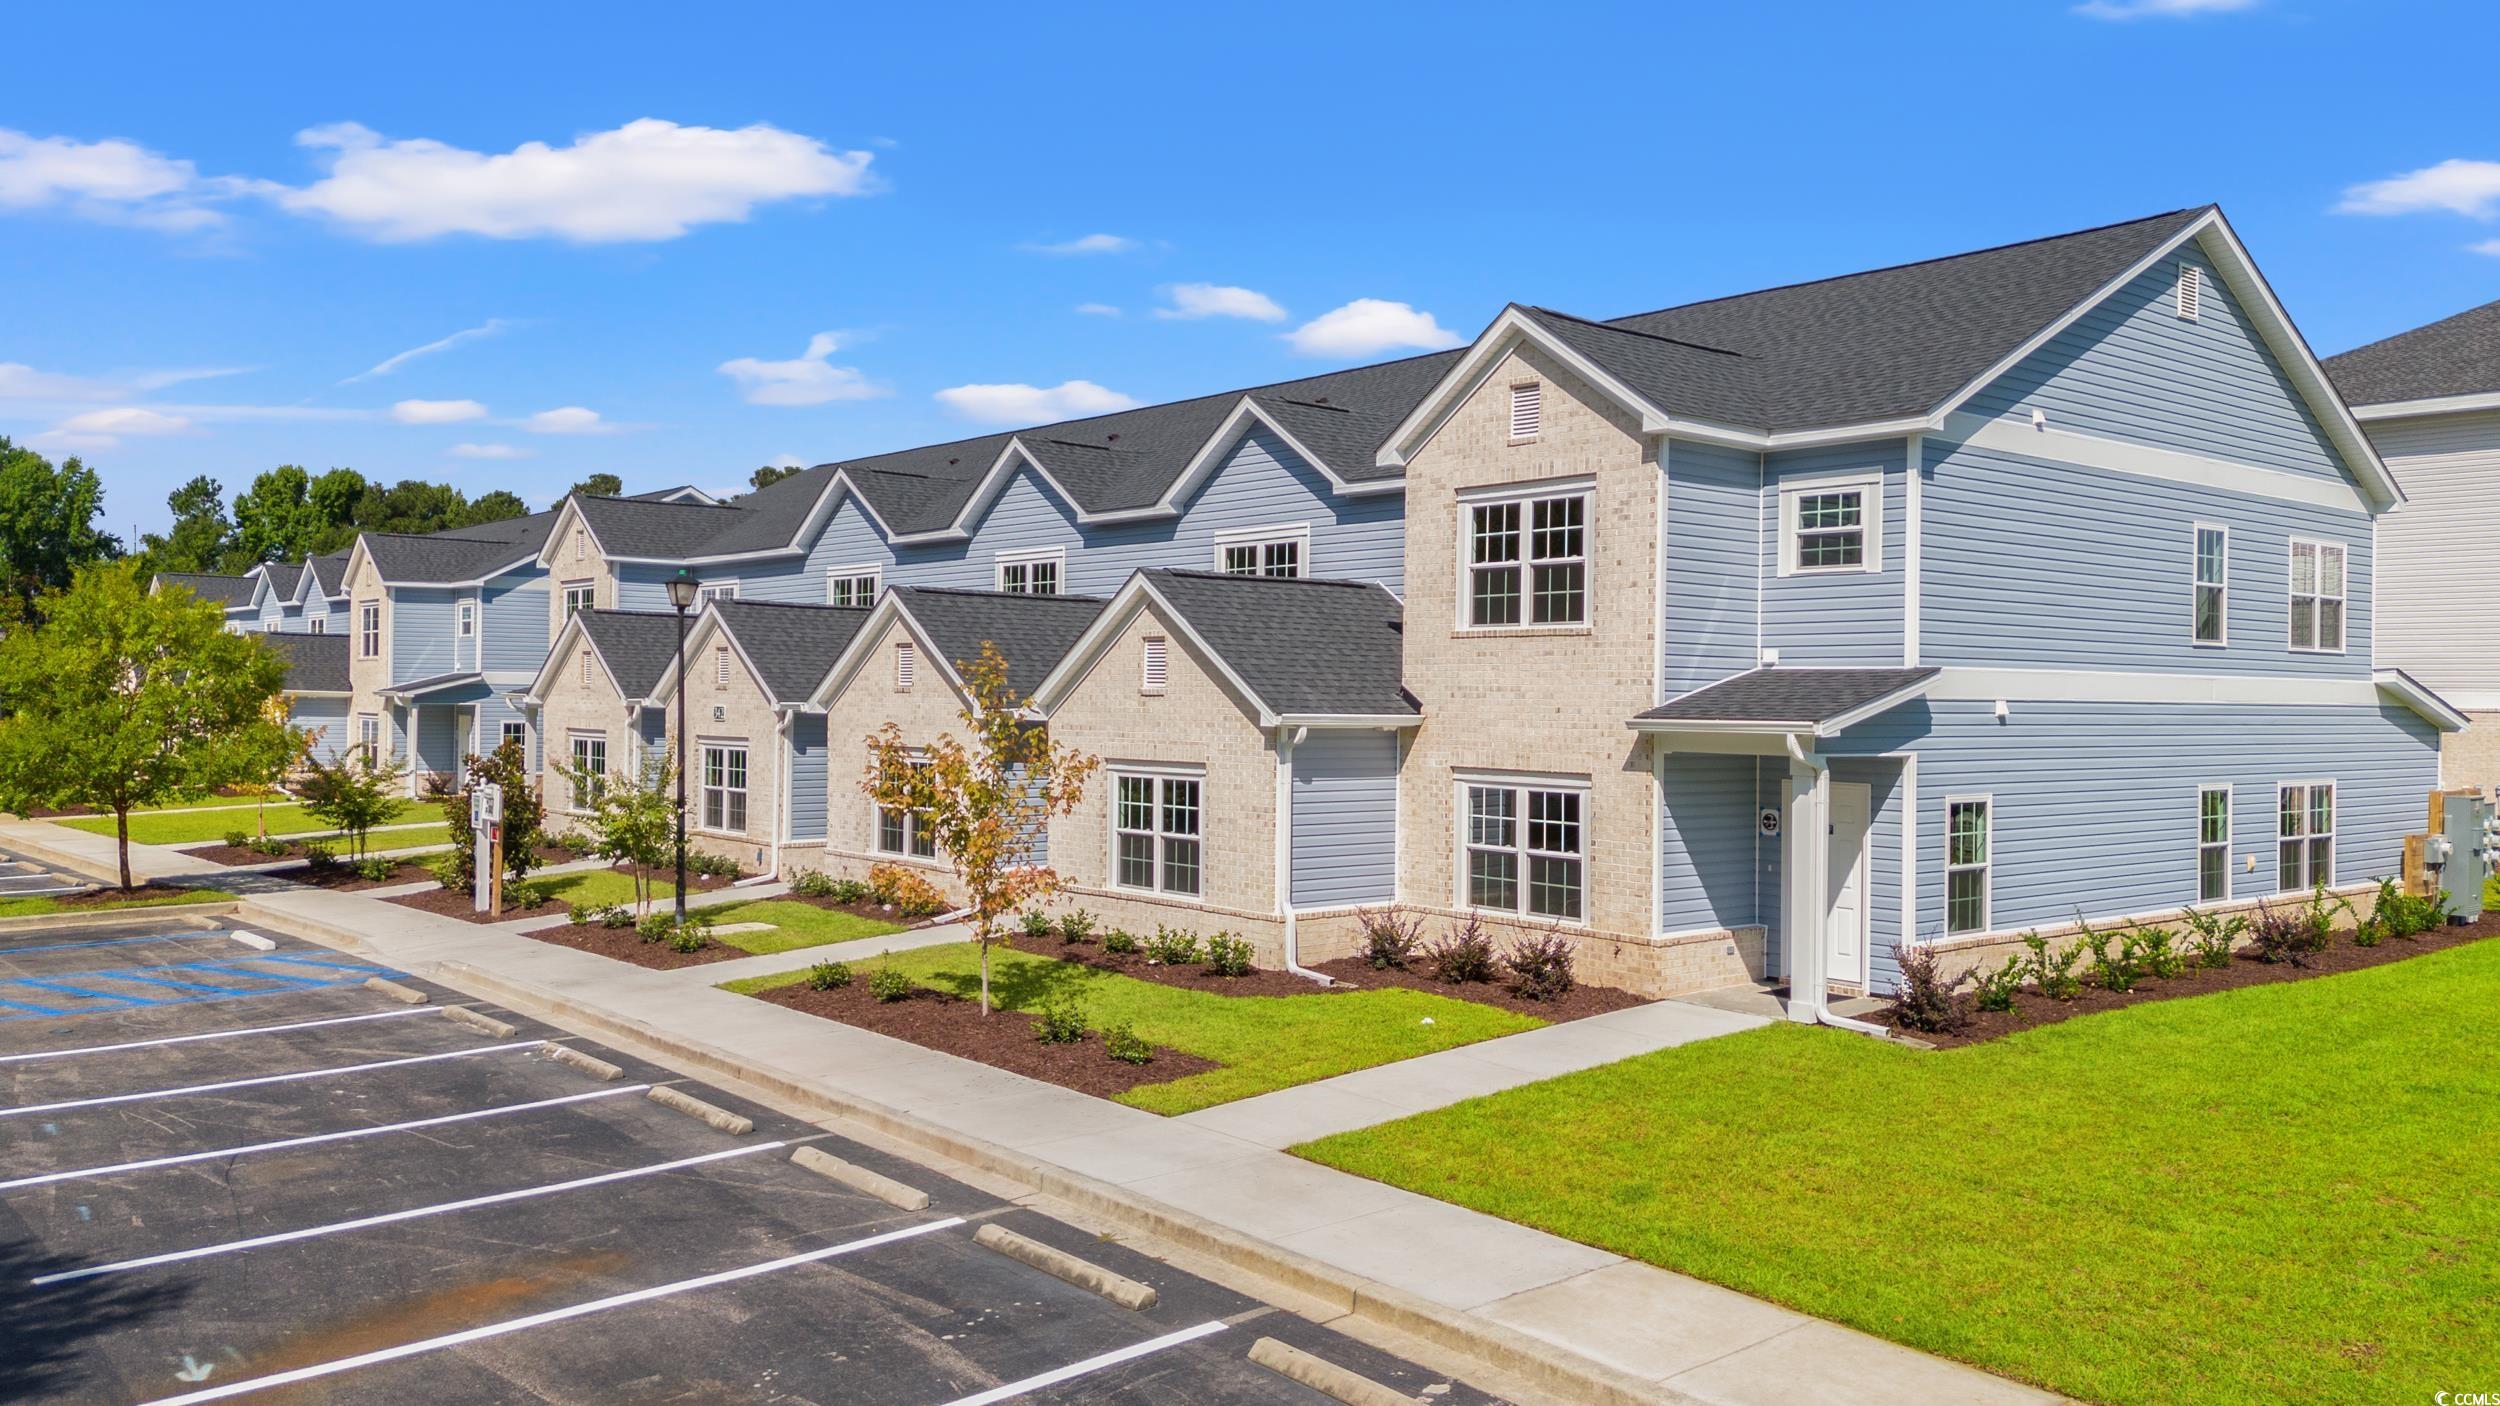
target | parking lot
[{"x": 228, "y": 1172}]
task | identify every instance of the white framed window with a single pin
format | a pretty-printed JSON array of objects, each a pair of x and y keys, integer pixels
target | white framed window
[
  {"x": 369, "y": 736},
  {"x": 578, "y": 597},
  {"x": 725, "y": 788},
  {"x": 513, "y": 730},
  {"x": 1154, "y": 664},
  {"x": 1527, "y": 410},
  {"x": 2304, "y": 844},
  {"x": 1969, "y": 856},
  {"x": 906, "y": 832},
  {"x": 467, "y": 627},
  {"x": 720, "y": 666},
  {"x": 2213, "y": 842},
  {"x": 1157, "y": 832},
  {"x": 1527, "y": 559},
  {"x": 319, "y": 625},
  {"x": 906, "y": 665},
  {"x": 590, "y": 766},
  {"x": 714, "y": 590},
  {"x": 2191, "y": 296},
  {"x": 369, "y": 630},
  {"x": 854, "y": 586},
  {"x": 2317, "y": 597},
  {"x": 1265, "y": 551},
  {"x": 1832, "y": 525},
  {"x": 1033, "y": 573},
  {"x": 1525, "y": 847},
  {"x": 2209, "y": 617}
]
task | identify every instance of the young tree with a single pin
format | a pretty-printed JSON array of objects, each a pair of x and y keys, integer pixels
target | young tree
[
  {"x": 633, "y": 818},
  {"x": 266, "y": 759},
  {"x": 984, "y": 800},
  {"x": 47, "y": 523},
  {"x": 201, "y": 539},
  {"x": 507, "y": 766},
  {"x": 120, "y": 699},
  {"x": 495, "y": 506},
  {"x": 353, "y": 794}
]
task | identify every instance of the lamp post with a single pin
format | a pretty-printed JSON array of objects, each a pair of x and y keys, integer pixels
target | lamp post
[{"x": 681, "y": 590}]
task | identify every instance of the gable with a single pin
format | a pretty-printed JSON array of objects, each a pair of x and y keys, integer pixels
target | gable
[{"x": 1195, "y": 695}]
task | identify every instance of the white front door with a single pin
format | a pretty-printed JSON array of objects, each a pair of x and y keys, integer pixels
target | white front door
[{"x": 1845, "y": 880}]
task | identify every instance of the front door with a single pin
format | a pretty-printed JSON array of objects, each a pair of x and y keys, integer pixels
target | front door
[{"x": 1845, "y": 881}]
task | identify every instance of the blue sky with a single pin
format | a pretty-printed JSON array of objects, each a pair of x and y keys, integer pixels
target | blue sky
[{"x": 711, "y": 239}]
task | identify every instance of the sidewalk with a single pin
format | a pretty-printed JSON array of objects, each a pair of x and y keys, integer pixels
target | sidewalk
[{"x": 1627, "y": 1331}]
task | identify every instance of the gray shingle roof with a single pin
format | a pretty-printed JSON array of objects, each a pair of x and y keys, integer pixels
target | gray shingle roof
[
  {"x": 1787, "y": 694},
  {"x": 1033, "y": 632},
  {"x": 459, "y": 554},
  {"x": 793, "y": 646},
  {"x": 2457, "y": 355},
  {"x": 282, "y": 577},
  {"x": 636, "y": 644},
  {"x": 1304, "y": 647},
  {"x": 227, "y": 591},
  {"x": 314, "y": 663},
  {"x": 331, "y": 571}
]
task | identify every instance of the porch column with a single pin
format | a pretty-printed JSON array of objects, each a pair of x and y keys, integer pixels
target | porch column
[{"x": 1805, "y": 837}]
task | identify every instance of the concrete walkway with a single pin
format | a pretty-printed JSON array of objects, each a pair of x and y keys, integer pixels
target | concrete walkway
[{"x": 1389, "y": 1091}]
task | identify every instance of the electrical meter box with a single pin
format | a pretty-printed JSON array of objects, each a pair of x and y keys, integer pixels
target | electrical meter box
[{"x": 2462, "y": 849}]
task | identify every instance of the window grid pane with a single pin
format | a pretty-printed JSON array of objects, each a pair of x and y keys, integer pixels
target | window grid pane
[
  {"x": 1155, "y": 834},
  {"x": 1966, "y": 866},
  {"x": 1547, "y": 849}
]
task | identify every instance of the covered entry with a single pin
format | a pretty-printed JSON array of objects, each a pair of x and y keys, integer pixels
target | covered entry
[{"x": 438, "y": 716}]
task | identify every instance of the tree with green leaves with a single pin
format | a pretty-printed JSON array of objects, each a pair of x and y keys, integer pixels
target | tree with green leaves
[
  {"x": 120, "y": 698},
  {"x": 496, "y": 506},
  {"x": 598, "y": 486},
  {"x": 771, "y": 474},
  {"x": 523, "y": 817},
  {"x": 47, "y": 523},
  {"x": 265, "y": 759},
  {"x": 353, "y": 794},
  {"x": 412, "y": 506},
  {"x": 983, "y": 800},
  {"x": 202, "y": 537},
  {"x": 633, "y": 817},
  {"x": 278, "y": 519}
]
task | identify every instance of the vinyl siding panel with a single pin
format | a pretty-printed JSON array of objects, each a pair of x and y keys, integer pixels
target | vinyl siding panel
[
  {"x": 2132, "y": 369},
  {"x": 2035, "y": 563},
  {"x": 808, "y": 779},
  {"x": 2437, "y": 572},
  {"x": 1834, "y": 618},
  {"x": 514, "y": 625},
  {"x": 1884, "y": 796},
  {"x": 439, "y": 742},
  {"x": 498, "y": 709},
  {"x": 1714, "y": 578},
  {"x": 1345, "y": 819},
  {"x": 420, "y": 629},
  {"x": 1706, "y": 843},
  {"x": 327, "y": 718}
]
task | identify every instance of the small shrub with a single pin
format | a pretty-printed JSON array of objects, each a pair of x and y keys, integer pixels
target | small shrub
[
  {"x": 238, "y": 839},
  {"x": 445, "y": 869},
  {"x": 585, "y": 914},
  {"x": 1925, "y": 1001},
  {"x": 2054, "y": 972},
  {"x": 2211, "y": 936},
  {"x": 1464, "y": 955},
  {"x": 2290, "y": 935},
  {"x": 848, "y": 891},
  {"x": 528, "y": 895},
  {"x": 1228, "y": 955},
  {"x": 1120, "y": 940},
  {"x": 1995, "y": 989},
  {"x": 1075, "y": 925},
  {"x": 2156, "y": 952},
  {"x": 2395, "y": 913},
  {"x": 655, "y": 927},
  {"x": 904, "y": 890},
  {"x": 1389, "y": 940},
  {"x": 1036, "y": 924},
  {"x": 320, "y": 858},
  {"x": 714, "y": 866},
  {"x": 1172, "y": 947},
  {"x": 811, "y": 883},
  {"x": 269, "y": 845},
  {"x": 373, "y": 870},
  {"x": 617, "y": 916},
  {"x": 1059, "y": 1025},
  {"x": 2110, "y": 971},
  {"x": 1123, "y": 1043},
  {"x": 887, "y": 984},
  {"x": 1540, "y": 966},
  {"x": 826, "y": 976},
  {"x": 688, "y": 936}
]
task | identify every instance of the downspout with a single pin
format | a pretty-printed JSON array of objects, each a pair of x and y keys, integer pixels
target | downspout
[
  {"x": 781, "y": 789},
  {"x": 1812, "y": 994},
  {"x": 1286, "y": 737}
]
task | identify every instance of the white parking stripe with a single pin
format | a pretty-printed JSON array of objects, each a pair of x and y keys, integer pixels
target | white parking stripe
[
  {"x": 393, "y": 1217},
  {"x": 266, "y": 1079},
  {"x": 1090, "y": 1364},
  {"x": 117, "y": 1168},
  {"x": 540, "y": 1320},
  {"x": 219, "y": 1035}
]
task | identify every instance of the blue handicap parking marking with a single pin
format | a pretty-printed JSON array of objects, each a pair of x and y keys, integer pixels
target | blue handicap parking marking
[
  {"x": 109, "y": 942},
  {"x": 84, "y": 993},
  {"x": 183, "y": 983}
]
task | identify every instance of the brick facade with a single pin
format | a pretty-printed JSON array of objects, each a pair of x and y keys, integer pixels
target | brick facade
[
  {"x": 868, "y": 700},
  {"x": 571, "y": 707},
  {"x": 2472, "y": 757},
  {"x": 731, "y": 710}
]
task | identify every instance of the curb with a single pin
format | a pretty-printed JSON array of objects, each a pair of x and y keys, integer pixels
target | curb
[
  {"x": 115, "y": 917},
  {"x": 1546, "y": 1365}
]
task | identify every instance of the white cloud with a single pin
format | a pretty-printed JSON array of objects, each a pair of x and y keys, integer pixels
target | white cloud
[
  {"x": 782, "y": 461},
  {"x": 1368, "y": 326},
  {"x": 2461, "y": 186},
  {"x": 568, "y": 419},
  {"x": 489, "y": 451},
  {"x": 1018, "y": 404},
  {"x": 392, "y": 363},
  {"x": 115, "y": 181},
  {"x": 19, "y": 381},
  {"x": 1098, "y": 310},
  {"x": 1195, "y": 300},
  {"x": 437, "y": 412},
  {"x": 2160, "y": 9},
  {"x": 647, "y": 180},
  {"x": 809, "y": 380},
  {"x": 1087, "y": 244},
  {"x": 2488, "y": 246},
  {"x": 102, "y": 429}
]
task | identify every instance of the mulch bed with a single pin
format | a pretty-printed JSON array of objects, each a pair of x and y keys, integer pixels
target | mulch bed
[
  {"x": 1260, "y": 982},
  {"x": 110, "y": 897},
  {"x": 873, "y": 912},
  {"x": 345, "y": 880},
  {"x": 1579, "y": 1002},
  {"x": 622, "y": 945},
  {"x": 2031, "y": 1009},
  {"x": 1002, "y": 1039},
  {"x": 461, "y": 904}
]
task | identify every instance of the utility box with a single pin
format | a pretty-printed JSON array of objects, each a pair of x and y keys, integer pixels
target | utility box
[{"x": 2461, "y": 850}]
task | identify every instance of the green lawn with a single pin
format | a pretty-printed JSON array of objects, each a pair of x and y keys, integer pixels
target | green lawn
[
  {"x": 44, "y": 904},
  {"x": 795, "y": 925},
  {"x": 599, "y": 887},
  {"x": 175, "y": 827},
  {"x": 1264, "y": 1042},
  {"x": 2282, "y": 1193}
]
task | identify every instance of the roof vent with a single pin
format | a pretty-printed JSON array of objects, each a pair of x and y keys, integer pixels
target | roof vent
[{"x": 2191, "y": 290}]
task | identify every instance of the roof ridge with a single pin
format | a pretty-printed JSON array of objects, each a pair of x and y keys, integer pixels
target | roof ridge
[
  {"x": 2414, "y": 331},
  {"x": 1634, "y": 331},
  {"x": 1202, "y": 573}
]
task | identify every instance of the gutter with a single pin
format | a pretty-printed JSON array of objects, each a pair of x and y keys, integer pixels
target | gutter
[{"x": 1286, "y": 737}]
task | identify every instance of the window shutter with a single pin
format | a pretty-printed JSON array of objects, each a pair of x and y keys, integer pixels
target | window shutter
[
  {"x": 2191, "y": 290},
  {"x": 1158, "y": 664},
  {"x": 720, "y": 665},
  {"x": 903, "y": 665},
  {"x": 1527, "y": 410}
]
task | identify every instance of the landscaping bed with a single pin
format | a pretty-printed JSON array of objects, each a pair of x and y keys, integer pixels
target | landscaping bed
[
  {"x": 1004, "y": 1039},
  {"x": 144, "y": 896},
  {"x": 795, "y": 924},
  {"x": 1193, "y": 977},
  {"x": 343, "y": 879},
  {"x": 559, "y": 893},
  {"x": 625, "y": 945},
  {"x": 1578, "y": 1003},
  {"x": 379, "y": 842}
]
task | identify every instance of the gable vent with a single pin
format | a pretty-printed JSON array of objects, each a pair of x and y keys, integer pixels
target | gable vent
[
  {"x": 904, "y": 665},
  {"x": 585, "y": 666},
  {"x": 720, "y": 665},
  {"x": 2191, "y": 290},
  {"x": 1527, "y": 410},
  {"x": 1158, "y": 664}
]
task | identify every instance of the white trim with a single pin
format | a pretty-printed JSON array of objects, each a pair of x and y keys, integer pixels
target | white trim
[
  {"x": 1056, "y": 557},
  {"x": 1525, "y": 495},
  {"x": 2196, "y": 582},
  {"x": 702, "y": 786},
  {"x": 1520, "y": 784},
  {"x": 1113, "y": 621},
  {"x": 2230, "y": 839},
  {"x": 2187, "y": 298},
  {"x": 2443, "y": 711},
  {"x": 876, "y": 582},
  {"x": 1909, "y": 855},
  {"x": 2011, "y": 436},
  {"x": 1864, "y": 976},
  {"x": 1868, "y": 484},
  {"x": 719, "y": 588},
  {"x": 1298, "y": 533},
  {"x": 2334, "y": 829},
  {"x": 2318, "y": 597},
  {"x": 855, "y": 656},
  {"x": 2429, "y": 405},
  {"x": 1527, "y": 405},
  {"x": 1483, "y": 357},
  {"x": 1960, "y": 685},
  {"x": 1157, "y": 775},
  {"x": 1658, "y": 581},
  {"x": 1987, "y": 865},
  {"x": 1913, "y": 530}
]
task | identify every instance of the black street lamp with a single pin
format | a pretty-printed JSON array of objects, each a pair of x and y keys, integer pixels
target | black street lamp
[{"x": 681, "y": 592}]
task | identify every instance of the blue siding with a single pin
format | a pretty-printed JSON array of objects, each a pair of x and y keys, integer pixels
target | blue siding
[
  {"x": 1345, "y": 819},
  {"x": 653, "y": 727},
  {"x": 492, "y": 714},
  {"x": 439, "y": 743},
  {"x": 327, "y": 718},
  {"x": 808, "y": 781},
  {"x": 2133, "y": 369},
  {"x": 515, "y": 627},
  {"x": 1882, "y": 779},
  {"x": 421, "y": 623},
  {"x": 1840, "y": 618},
  {"x": 2036, "y": 563},
  {"x": 1706, "y": 845},
  {"x": 1770, "y": 789},
  {"x": 1713, "y": 574}
]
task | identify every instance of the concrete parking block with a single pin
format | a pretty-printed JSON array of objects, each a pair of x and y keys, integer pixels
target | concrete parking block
[
  {"x": 1059, "y": 1264},
  {"x": 713, "y": 1114},
  {"x": 859, "y": 1178}
]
